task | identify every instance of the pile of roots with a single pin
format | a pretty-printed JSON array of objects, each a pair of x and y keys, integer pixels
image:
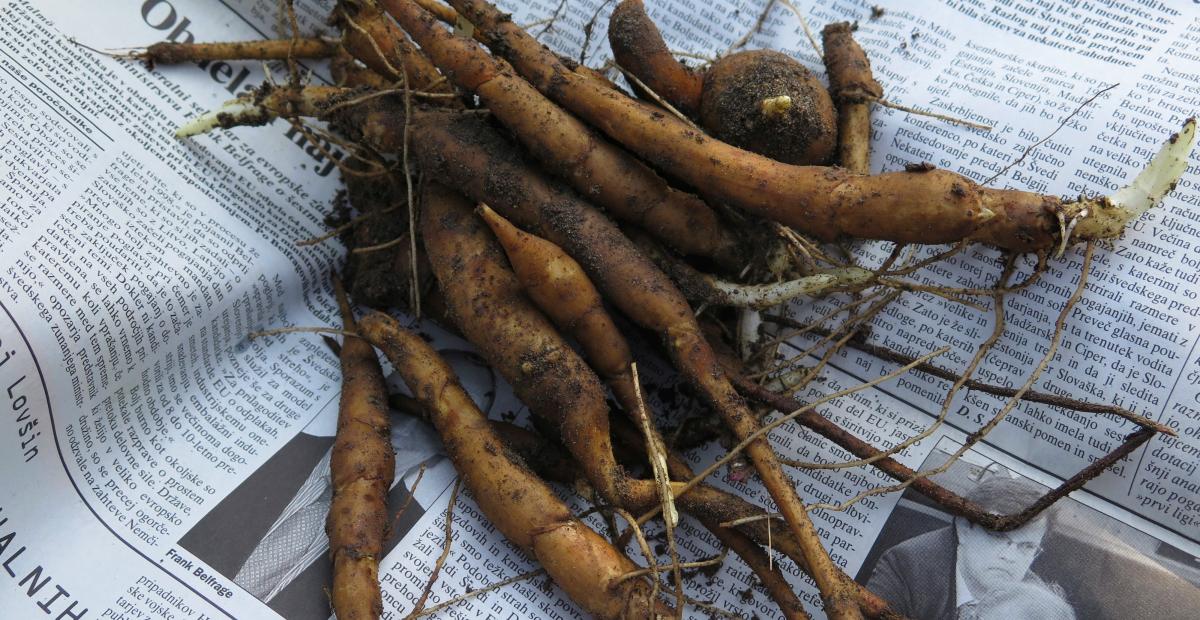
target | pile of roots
[{"x": 522, "y": 199}]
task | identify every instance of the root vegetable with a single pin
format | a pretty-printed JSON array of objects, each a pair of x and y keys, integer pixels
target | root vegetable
[
  {"x": 487, "y": 306},
  {"x": 591, "y": 164},
  {"x": 170, "y": 52},
  {"x": 378, "y": 43},
  {"x": 625, "y": 276},
  {"x": 558, "y": 286},
  {"x": 468, "y": 154},
  {"x": 763, "y": 101},
  {"x": 853, "y": 88},
  {"x": 766, "y": 102},
  {"x": 362, "y": 466},
  {"x": 915, "y": 206},
  {"x": 521, "y": 506}
]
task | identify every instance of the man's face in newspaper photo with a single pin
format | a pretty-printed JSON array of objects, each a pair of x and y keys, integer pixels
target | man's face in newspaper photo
[{"x": 990, "y": 559}]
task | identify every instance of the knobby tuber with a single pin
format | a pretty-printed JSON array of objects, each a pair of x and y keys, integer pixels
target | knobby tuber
[{"x": 763, "y": 101}]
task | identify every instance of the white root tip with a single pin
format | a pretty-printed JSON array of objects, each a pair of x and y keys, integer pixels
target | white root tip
[
  {"x": 749, "y": 320},
  {"x": 1160, "y": 175},
  {"x": 231, "y": 113}
]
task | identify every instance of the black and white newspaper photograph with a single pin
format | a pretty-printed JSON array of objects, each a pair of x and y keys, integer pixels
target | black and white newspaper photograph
[{"x": 1070, "y": 562}]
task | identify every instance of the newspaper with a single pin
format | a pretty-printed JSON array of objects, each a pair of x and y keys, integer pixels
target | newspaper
[{"x": 161, "y": 463}]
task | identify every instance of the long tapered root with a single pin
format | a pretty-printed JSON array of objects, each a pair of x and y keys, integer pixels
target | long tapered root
[
  {"x": 362, "y": 466},
  {"x": 522, "y": 507},
  {"x": 171, "y": 53},
  {"x": 638, "y": 47}
]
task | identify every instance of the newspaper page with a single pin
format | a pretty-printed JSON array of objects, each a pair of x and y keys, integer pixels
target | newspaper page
[{"x": 164, "y": 464}]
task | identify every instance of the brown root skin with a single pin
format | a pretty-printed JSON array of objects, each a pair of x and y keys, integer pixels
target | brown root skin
[
  {"x": 594, "y": 166},
  {"x": 850, "y": 77},
  {"x": 172, "y": 53},
  {"x": 362, "y": 466},
  {"x": 471, "y": 156},
  {"x": 560, "y": 288},
  {"x": 379, "y": 44},
  {"x": 854, "y": 88},
  {"x": 854, "y": 137},
  {"x": 762, "y": 101},
  {"x": 908, "y": 207},
  {"x": 638, "y": 47},
  {"x": 488, "y": 306},
  {"x": 520, "y": 505}
]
